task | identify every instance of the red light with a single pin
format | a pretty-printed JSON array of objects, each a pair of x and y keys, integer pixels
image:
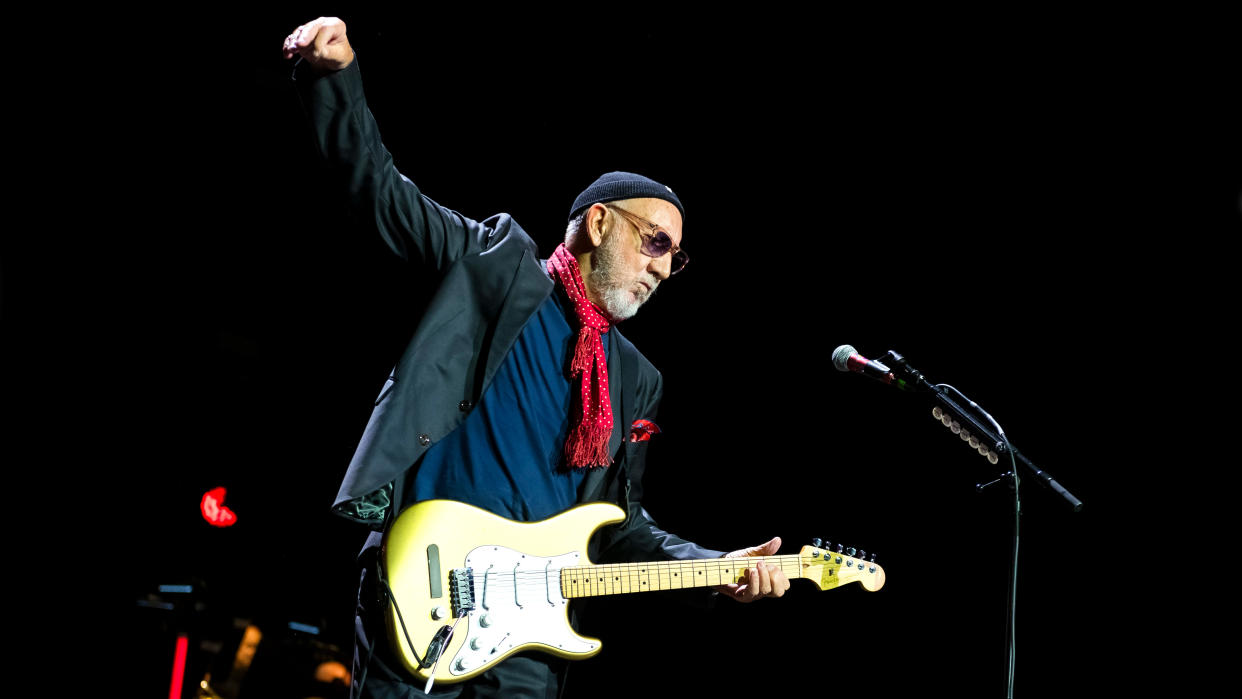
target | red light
[
  {"x": 183, "y": 644},
  {"x": 214, "y": 510}
]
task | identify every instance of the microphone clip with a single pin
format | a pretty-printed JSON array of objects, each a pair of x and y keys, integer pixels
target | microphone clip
[{"x": 910, "y": 377}]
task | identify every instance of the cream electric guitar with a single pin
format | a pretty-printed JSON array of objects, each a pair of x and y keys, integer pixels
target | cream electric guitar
[{"x": 470, "y": 588}]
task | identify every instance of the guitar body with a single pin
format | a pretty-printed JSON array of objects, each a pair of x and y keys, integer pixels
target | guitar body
[{"x": 504, "y": 595}]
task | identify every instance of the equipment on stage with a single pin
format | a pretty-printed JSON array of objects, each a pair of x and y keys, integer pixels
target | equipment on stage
[
  {"x": 468, "y": 588},
  {"x": 979, "y": 430}
]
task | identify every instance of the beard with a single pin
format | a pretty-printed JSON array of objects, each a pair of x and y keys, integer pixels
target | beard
[{"x": 618, "y": 294}]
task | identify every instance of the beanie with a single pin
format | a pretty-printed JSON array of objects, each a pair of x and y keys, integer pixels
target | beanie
[{"x": 623, "y": 185}]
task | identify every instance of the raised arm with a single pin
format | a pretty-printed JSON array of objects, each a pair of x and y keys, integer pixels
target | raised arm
[{"x": 413, "y": 226}]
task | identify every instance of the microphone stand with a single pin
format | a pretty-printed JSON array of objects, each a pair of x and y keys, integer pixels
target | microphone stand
[{"x": 953, "y": 415}]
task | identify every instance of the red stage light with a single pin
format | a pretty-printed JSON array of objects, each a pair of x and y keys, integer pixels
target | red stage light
[
  {"x": 214, "y": 510},
  {"x": 183, "y": 644}
]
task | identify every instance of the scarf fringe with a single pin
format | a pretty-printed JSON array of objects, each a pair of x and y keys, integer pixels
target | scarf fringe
[{"x": 588, "y": 449}]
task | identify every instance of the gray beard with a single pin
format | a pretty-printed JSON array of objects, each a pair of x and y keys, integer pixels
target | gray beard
[{"x": 612, "y": 290}]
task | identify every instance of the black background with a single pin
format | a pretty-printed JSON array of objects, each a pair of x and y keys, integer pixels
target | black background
[{"x": 1007, "y": 208}]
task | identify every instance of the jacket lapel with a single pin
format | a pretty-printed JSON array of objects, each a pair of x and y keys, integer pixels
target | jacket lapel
[
  {"x": 529, "y": 289},
  {"x": 620, "y": 390}
]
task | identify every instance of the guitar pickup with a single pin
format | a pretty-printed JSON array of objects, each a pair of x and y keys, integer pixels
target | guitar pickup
[{"x": 461, "y": 591}]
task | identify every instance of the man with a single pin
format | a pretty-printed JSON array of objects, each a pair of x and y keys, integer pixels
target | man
[{"x": 516, "y": 393}]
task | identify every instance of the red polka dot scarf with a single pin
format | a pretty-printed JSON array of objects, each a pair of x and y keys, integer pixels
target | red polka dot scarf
[{"x": 587, "y": 442}]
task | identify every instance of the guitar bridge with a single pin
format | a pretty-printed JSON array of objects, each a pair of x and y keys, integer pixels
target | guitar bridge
[{"x": 461, "y": 591}]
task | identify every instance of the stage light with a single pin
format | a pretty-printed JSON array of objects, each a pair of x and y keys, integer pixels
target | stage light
[{"x": 214, "y": 510}]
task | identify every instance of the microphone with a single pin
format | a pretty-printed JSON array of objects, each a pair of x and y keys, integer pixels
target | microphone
[{"x": 846, "y": 358}]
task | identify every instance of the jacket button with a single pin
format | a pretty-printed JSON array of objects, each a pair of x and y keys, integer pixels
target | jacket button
[
  {"x": 464, "y": 405},
  {"x": 424, "y": 439}
]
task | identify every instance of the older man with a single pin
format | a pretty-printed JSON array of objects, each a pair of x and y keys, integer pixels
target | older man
[{"x": 516, "y": 393}]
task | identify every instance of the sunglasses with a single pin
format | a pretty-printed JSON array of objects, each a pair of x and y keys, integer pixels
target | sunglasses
[{"x": 656, "y": 241}]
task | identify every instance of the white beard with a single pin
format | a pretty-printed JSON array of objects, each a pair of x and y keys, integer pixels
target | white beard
[{"x": 619, "y": 297}]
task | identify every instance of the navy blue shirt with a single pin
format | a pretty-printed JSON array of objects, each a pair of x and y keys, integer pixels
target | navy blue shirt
[{"x": 508, "y": 455}]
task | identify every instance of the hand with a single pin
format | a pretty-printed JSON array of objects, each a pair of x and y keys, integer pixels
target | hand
[
  {"x": 764, "y": 580},
  {"x": 322, "y": 42}
]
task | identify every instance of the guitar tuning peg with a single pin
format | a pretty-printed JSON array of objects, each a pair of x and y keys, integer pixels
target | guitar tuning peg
[
  {"x": 816, "y": 542},
  {"x": 827, "y": 545},
  {"x": 873, "y": 558},
  {"x": 852, "y": 551},
  {"x": 862, "y": 554},
  {"x": 840, "y": 548}
]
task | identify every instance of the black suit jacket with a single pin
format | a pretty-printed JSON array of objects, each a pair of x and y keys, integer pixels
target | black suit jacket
[{"x": 491, "y": 281}]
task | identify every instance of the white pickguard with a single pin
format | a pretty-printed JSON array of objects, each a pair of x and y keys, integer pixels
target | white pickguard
[{"x": 517, "y": 601}]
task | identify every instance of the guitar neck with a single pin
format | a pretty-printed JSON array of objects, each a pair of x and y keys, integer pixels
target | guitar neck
[{"x": 625, "y": 578}]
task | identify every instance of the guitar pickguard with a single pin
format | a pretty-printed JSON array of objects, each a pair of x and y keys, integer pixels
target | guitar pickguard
[{"x": 518, "y": 602}]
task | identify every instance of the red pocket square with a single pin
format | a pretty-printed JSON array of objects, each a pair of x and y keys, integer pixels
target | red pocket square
[{"x": 642, "y": 430}]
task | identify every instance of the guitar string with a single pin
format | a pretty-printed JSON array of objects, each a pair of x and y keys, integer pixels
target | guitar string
[
  {"x": 622, "y": 572},
  {"x": 530, "y": 582},
  {"x": 659, "y": 568},
  {"x": 783, "y": 561}
]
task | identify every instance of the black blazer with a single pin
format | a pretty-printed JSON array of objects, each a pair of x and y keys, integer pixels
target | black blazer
[{"x": 491, "y": 281}]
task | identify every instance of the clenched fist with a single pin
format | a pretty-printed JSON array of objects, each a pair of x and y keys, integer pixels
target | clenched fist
[{"x": 322, "y": 42}]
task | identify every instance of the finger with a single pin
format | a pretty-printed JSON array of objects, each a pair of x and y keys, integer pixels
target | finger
[
  {"x": 306, "y": 36},
  {"x": 765, "y": 580},
  {"x": 765, "y": 549},
  {"x": 322, "y": 39},
  {"x": 296, "y": 40},
  {"x": 289, "y": 47},
  {"x": 736, "y": 591},
  {"x": 780, "y": 582}
]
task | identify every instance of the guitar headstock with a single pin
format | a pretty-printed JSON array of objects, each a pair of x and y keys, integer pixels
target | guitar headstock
[{"x": 830, "y": 569}]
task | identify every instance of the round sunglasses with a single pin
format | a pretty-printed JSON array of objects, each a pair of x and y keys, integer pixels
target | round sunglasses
[{"x": 656, "y": 241}]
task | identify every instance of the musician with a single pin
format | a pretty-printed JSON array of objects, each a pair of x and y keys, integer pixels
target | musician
[{"x": 516, "y": 373}]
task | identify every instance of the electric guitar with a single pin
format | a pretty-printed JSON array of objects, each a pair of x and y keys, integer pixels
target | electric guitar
[{"x": 469, "y": 588}]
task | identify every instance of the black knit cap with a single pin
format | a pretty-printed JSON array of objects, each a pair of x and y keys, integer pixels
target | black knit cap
[{"x": 623, "y": 185}]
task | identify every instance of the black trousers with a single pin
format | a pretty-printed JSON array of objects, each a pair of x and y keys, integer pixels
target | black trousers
[{"x": 378, "y": 674}]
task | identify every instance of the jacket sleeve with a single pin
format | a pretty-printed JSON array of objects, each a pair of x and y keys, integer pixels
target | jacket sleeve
[{"x": 413, "y": 226}]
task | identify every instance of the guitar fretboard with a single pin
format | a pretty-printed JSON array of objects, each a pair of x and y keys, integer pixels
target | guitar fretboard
[{"x": 624, "y": 578}]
